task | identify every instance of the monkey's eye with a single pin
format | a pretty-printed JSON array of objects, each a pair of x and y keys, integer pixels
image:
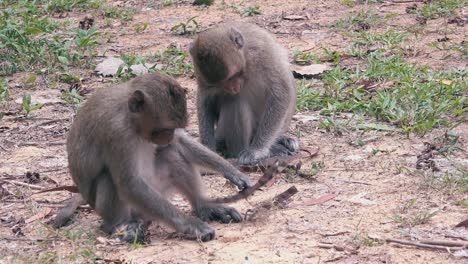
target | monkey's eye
[{"x": 236, "y": 75}]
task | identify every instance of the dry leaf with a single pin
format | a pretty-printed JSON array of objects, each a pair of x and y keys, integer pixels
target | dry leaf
[
  {"x": 45, "y": 212},
  {"x": 463, "y": 223},
  {"x": 294, "y": 17},
  {"x": 309, "y": 71},
  {"x": 319, "y": 200},
  {"x": 110, "y": 66}
]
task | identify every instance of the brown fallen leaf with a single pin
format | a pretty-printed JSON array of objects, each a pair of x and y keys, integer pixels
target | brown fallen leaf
[
  {"x": 309, "y": 71},
  {"x": 319, "y": 200},
  {"x": 46, "y": 211},
  {"x": 463, "y": 223}
]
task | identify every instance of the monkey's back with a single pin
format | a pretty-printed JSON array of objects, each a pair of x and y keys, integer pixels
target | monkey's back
[
  {"x": 267, "y": 60},
  {"x": 93, "y": 133}
]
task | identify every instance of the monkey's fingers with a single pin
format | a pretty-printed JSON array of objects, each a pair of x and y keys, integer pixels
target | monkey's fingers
[{"x": 267, "y": 176}]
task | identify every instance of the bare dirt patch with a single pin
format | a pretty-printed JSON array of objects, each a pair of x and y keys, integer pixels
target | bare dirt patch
[{"x": 380, "y": 192}]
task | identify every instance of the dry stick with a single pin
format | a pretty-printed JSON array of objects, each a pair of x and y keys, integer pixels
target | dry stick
[
  {"x": 416, "y": 244},
  {"x": 29, "y": 239},
  {"x": 24, "y": 184},
  {"x": 445, "y": 243}
]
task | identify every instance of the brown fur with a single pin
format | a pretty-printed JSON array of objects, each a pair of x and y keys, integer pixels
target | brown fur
[
  {"x": 127, "y": 150},
  {"x": 246, "y": 92}
]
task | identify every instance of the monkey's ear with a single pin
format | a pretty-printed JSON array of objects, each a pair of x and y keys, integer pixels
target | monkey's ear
[
  {"x": 136, "y": 101},
  {"x": 237, "y": 38}
]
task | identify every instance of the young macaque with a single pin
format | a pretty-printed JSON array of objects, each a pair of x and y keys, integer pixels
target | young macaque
[
  {"x": 127, "y": 151},
  {"x": 246, "y": 92}
]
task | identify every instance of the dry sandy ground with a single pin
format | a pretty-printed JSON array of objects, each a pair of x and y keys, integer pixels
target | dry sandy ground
[{"x": 380, "y": 193}]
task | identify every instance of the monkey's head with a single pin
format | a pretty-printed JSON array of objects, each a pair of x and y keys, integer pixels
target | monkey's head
[
  {"x": 157, "y": 106},
  {"x": 218, "y": 57}
]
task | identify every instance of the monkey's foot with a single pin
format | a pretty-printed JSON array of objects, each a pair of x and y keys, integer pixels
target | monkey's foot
[
  {"x": 132, "y": 232},
  {"x": 196, "y": 229},
  {"x": 249, "y": 157},
  {"x": 216, "y": 212}
]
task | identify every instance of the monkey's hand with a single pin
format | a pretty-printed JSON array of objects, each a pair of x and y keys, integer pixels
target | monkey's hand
[
  {"x": 251, "y": 157},
  {"x": 196, "y": 229},
  {"x": 217, "y": 212},
  {"x": 239, "y": 179}
]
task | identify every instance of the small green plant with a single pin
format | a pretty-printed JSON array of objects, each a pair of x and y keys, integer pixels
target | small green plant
[
  {"x": 59, "y": 6},
  {"x": 441, "y": 8},
  {"x": 173, "y": 61},
  {"x": 4, "y": 90},
  {"x": 125, "y": 71},
  {"x": 188, "y": 27},
  {"x": 203, "y": 2},
  {"x": 141, "y": 27},
  {"x": 348, "y": 3},
  {"x": 125, "y": 14},
  {"x": 305, "y": 58},
  {"x": 360, "y": 20},
  {"x": 28, "y": 106},
  {"x": 316, "y": 167},
  {"x": 72, "y": 97},
  {"x": 167, "y": 2},
  {"x": 252, "y": 11}
]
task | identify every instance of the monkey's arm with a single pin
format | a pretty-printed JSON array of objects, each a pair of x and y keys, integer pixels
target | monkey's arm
[
  {"x": 270, "y": 124},
  {"x": 206, "y": 120},
  {"x": 207, "y": 158}
]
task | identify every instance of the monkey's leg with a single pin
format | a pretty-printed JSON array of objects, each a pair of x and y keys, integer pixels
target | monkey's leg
[
  {"x": 64, "y": 214},
  {"x": 235, "y": 127},
  {"x": 187, "y": 179},
  {"x": 118, "y": 217}
]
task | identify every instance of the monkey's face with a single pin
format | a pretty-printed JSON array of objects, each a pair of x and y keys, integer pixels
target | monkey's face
[
  {"x": 219, "y": 59},
  {"x": 155, "y": 113}
]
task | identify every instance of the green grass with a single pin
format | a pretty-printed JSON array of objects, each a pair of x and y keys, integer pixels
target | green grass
[
  {"x": 440, "y": 8},
  {"x": 412, "y": 97},
  {"x": 29, "y": 40},
  {"x": 174, "y": 61},
  {"x": 360, "y": 19},
  {"x": 4, "y": 90}
]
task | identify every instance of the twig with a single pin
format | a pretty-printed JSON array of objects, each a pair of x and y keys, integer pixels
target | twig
[
  {"x": 420, "y": 245},
  {"x": 24, "y": 184},
  {"x": 445, "y": 243},
  {"x": 30, "y": 239}
]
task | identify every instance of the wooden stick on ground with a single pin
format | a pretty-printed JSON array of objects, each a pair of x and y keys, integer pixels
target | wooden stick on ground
[
  {"x": 24, "y": 184},
  {"x": 421, "y": 245}
]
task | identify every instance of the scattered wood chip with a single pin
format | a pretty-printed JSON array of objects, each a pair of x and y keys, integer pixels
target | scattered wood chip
[
  {"x": 319, "y": 200},
  {"x": 280, "y": 200},
  {"x": 309, "y": 71},
  {"x": 45, "y": 212},
  {"x": 294, "y": 17},
  {"x": 360, "y": 199}
]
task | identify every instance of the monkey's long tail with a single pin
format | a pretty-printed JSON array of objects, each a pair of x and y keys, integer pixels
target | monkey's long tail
[
  {"x": 68, "y": 210},
  {"x": 267, "y": 176}
]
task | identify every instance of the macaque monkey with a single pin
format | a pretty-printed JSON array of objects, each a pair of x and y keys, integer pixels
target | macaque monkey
[
  {"x": 127, "y": 151},
  {"x": 246, "y": 92}
]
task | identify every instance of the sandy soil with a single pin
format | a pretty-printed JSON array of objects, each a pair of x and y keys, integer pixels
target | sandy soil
[{"x": 376, "y": 184}]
